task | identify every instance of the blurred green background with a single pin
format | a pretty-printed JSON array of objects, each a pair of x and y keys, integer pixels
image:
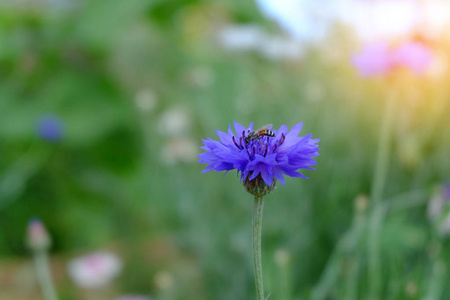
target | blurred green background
[{"x": 135, "y": 85}]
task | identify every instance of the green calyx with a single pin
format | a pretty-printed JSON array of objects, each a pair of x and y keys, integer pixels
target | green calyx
[{"x": 257, "y": 186}]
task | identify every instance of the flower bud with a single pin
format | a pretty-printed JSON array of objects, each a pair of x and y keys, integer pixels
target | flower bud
[
  {"x": 37, "y": 236},
  {"x": 361, "y": 203}
]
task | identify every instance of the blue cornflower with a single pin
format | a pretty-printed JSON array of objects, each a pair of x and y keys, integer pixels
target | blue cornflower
[
  {"x": 266, "y": 159},
  {"x": 50, "y": 128}
]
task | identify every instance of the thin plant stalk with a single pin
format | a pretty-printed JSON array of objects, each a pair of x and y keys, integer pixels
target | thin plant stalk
[
  {"x": 258, "y": 207},
  {"x": 378, "y": 185},
  {"x": 348, "y": 242},
  {"x": 436, "y": 282},
  {"x": 44, "y": 277}
]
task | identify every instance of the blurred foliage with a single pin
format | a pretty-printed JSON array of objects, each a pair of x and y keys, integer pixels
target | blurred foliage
[{"x": 106, "y": 182}]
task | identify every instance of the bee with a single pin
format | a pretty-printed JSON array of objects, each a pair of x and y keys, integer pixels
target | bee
[{"x": 263, "y": 131}]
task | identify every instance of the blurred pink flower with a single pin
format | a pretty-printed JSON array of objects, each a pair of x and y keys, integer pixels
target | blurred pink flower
[
  {"x": 94, "y": 270},
  {"x": 380, "y": 58},
  {"x": 413, "y": 55},
  {"x": 375, "y": 59}
]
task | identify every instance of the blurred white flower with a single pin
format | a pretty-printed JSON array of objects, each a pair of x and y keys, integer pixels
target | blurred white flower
[
  {"x": 179, "y": 150},
  {"x": 95, "y": 269},
  {"x": 252, "y": 38},
  {"x": 240, "y": 37},
  {"x": 174, "y": 122},
  {"x": 146, "y": 100},
  {"x": 276, "y": 48}
]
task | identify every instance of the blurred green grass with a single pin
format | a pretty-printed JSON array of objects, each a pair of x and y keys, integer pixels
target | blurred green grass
[{"x": 107, "y": 184}]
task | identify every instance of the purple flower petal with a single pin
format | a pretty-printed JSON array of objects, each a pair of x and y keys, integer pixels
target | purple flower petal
[{"x": 239, "y": 128}]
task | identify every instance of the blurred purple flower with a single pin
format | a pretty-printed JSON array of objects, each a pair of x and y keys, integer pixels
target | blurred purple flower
[
  {"x": 273, "y": 157},
  {"x": 50, "y": 128},
  {"x": 380, "y": 58}
]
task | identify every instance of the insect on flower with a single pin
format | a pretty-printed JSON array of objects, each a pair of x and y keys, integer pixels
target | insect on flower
[{"x": 263, "y": 131}]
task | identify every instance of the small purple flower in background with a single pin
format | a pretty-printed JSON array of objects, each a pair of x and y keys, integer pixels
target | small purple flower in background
[
  {"x": 380, "y": 58},
  {"x": 95, "y": 269},
  {"x": 50, "y": 128},
  {"x": 38, "y": 238},
  {"x": 266, "y": 158}
]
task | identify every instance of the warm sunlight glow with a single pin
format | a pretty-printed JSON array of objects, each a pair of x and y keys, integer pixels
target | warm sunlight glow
[{"x": 370, "y": 19}]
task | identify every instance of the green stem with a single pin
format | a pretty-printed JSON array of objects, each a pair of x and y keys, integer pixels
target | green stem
[
  {"x": 436, "y": 282},
  {"x": 43, "y": 275},
  {"x": 378, "y": 184},
  {"x": 257, "y": 227},
  {"x": 382, "y": 161}
]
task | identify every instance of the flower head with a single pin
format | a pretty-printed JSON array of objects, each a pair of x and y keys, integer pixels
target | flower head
[
  {"x": 264, "y": 158},
  {"x": 50, "y": 128},
  {"x": 95, "y": 269}
]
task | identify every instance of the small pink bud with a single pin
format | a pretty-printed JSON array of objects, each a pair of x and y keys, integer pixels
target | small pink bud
[{"x": 38, "y": 238}]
